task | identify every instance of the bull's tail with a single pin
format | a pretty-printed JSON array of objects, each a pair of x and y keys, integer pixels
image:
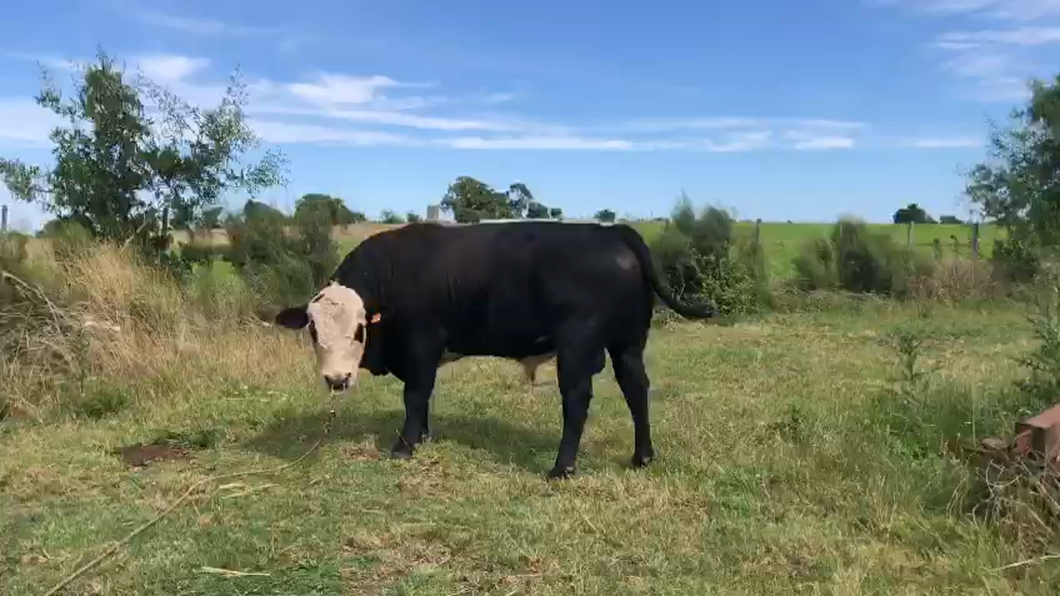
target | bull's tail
[{"x": 636, "y": 243}]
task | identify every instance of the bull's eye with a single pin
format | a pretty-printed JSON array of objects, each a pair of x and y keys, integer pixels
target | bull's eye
[
  {"x": 358, "y": 335},
  {"x": 313, "y": 332}
]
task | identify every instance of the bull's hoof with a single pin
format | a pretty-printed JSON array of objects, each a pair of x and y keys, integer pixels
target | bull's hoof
[
  {"x": 400, "y": 455},
  {"x": 641, "y": 460},
  {"x": 401, "y": 450},
  {"x": 561, "y": 473}
]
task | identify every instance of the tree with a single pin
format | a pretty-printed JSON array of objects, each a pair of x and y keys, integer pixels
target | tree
[
  {"x": 338, "y": 213},
  {"x": 116, "y": 169},
  {"x": 519, "y": 200},
  {"x": 950, "y": 220},
  {"x": 605, "y": 215},
  {"x": 555, "y": 213},
  {"x": 912, "y": 213},
  {"x": 471, "y": 200},
  {"x": 413, "y": 217},
  {"x": 536, "y": 210},
  {"x": 211, "y": 218},
  {"x": 256, "y": 209},
  {"x": 1019, "y": 186},
  {"x": 389, "y": 217}
]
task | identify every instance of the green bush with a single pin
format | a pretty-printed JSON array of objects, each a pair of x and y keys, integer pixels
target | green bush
[
  {"x": 856, "y": 260},
  {"x": 816, "y": 266},
  {"x": 1015, "y": 261},
  {"x": 278, "y": 266},
  {"x": 700, "y": 261}
]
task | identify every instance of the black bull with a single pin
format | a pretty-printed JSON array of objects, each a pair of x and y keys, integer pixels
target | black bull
[{"x": 510, "y": 290}]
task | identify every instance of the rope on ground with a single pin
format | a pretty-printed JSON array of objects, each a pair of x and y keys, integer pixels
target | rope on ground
[{"x": 114, "y": 548}]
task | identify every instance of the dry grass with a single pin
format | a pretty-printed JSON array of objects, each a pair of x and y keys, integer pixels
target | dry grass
[
  {"x": 111, "y": 319},
  {"x": 347, "y": 236},
  {"x": 957, "y": 279},
  {"x": 783, "y": 467}
]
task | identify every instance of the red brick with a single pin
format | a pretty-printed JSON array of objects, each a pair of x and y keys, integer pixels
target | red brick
[{"x": 1040, "y": 433}]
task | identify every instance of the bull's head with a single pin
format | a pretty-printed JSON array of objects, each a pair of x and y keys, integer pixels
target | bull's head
[{"x": 337, "y": 322}]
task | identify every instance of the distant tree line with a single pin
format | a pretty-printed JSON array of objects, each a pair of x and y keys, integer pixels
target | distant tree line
[{"x": 915, "y": 214}]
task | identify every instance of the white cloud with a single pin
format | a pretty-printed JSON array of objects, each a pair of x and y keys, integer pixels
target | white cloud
[
  {"x": 170, "y": 68},
  {"x": 369, "y": 110},
  {"x": 740, "y": 142},
  {"x": 540, "y": 143},
  {"x": 342, "y": 89},
  {"x": 1023, "y": 36},
  {"x": 23, "y": 123},
  {"x": 283, "y": 133},
  {"x": 992, "y": 75},
  {"x": 946, "y": 143},
  {"x": 196, "y": 25},
  {"x": 1011, "y": 10},
  {"x": 806, "y": 141},
  {"x": 47, "y": 61},
  {"x": 995, "y": 64},
  {"x": 734, "y": 122}
]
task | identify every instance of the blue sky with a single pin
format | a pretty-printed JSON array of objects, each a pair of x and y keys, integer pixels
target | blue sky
[{"x": 776, "y": 109}]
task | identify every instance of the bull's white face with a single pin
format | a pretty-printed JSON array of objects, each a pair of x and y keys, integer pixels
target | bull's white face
[{"x": 338, "y": 327}]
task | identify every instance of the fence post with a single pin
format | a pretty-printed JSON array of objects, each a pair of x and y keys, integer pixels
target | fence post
[
  {"x": 975, "y": 240},
  {"x": 3, "y": 219},
  {"x": 909, "y": 235},
  {"x": 163, "y": 240},
  {"x": 758, "y": 231}
]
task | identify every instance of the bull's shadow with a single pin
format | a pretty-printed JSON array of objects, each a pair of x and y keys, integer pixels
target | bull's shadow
[{"x": 528, "y": 448}]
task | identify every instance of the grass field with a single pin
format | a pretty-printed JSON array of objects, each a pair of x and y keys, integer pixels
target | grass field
[
  {"x": 773, "y": 477},
  {"x": 781, "y": 241}
]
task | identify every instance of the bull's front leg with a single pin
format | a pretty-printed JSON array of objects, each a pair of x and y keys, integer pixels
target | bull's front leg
[{"x": 417, "y": 394}]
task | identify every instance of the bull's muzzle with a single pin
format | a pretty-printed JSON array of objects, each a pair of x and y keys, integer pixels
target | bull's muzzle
[{"x": 338, "y": 382}]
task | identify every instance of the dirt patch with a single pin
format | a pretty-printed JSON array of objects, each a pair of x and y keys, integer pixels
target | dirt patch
[{"x": 138, "y": 456}]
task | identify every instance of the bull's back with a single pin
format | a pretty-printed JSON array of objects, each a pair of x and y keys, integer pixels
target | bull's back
[{"x": 503, "y": 287}]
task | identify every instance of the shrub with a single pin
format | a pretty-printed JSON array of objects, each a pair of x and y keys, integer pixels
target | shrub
[
  {"x": 699, "y": 259},
  {"x": 856, "y": 260},
  {"x": 956, "y": 279},
  {"x": 816, "y": 267},
  {"x": 1015, "y": 261},
  {"x": 279, "y": 267}
]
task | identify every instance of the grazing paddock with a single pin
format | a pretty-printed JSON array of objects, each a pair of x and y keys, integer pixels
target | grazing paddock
[
  {"x": 775, "y": 474},
  {"x": 781, "y": 241}
]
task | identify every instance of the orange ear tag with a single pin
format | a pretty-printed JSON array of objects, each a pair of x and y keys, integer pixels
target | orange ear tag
[{"x": 375, "y": 318}]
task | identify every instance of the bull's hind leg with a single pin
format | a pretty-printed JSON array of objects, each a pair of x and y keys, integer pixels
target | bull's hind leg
[{"x": 628, "y": 362}]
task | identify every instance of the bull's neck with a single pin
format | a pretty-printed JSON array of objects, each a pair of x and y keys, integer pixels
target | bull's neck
[{"x": 356, "y": 274}]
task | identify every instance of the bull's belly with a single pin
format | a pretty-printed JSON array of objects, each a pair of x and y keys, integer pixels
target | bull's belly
[{"x": 531, "y": 354}]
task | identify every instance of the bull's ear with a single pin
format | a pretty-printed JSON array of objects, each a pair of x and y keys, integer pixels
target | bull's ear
[{"x": 294, "y": 317}]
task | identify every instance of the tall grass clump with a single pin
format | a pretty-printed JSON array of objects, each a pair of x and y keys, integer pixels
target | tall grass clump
[
  {"x": 855, "y": 259},
  {"x": 931, "y": 428},
  {"x": 106, "y": 328},
  {"x": 701, "y": 260}
]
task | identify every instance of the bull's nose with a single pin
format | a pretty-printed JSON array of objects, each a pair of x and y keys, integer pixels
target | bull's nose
[{"x": 338, "y": 382}]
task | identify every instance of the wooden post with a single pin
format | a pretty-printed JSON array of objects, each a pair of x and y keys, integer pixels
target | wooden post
[
  {"x": 163, "y": 239},
  {"x": 975, "y": 240},
  {"x": 3, "y": 219},
  {"x": 909, "y": 235},
  {"x": 758, "y": 232}
]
